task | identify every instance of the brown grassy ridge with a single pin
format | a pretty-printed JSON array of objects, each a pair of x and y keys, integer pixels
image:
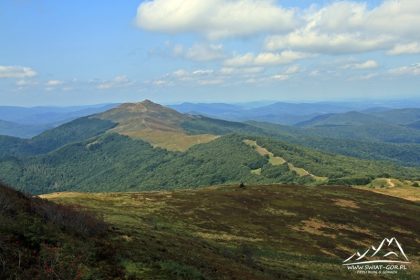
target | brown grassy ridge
[
  {"x": 256, "y": 232},
  {"x": 154, "y": 123}
]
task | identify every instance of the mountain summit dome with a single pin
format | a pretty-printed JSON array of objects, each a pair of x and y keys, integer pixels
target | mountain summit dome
[{"x": 154, "y": 123}]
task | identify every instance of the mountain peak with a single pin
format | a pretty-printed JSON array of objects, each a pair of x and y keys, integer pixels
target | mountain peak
[
  {"x": 142, "y": 115},
  {"x": 159, "y": 125},
  {"x": 142, "y": 106}
]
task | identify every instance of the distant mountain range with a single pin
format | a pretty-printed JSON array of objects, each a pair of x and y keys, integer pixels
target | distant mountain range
[
  {"x": 146, "y": 146},
  {"x": 28, "y": 122},
  {"x": 279, "y": 112}
]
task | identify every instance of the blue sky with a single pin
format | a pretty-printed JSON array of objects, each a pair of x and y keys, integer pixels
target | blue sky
[{"x": 85, "y": 52}]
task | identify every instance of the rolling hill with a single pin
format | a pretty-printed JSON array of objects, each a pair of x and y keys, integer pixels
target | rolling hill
[
  {"x": 154, "y": 123},
  {"x": 21, "y": 130},
  {"x": 360, "y": 126},
  {"x": 399, "y": 116},
  {"x": 404, "y": 154},
  {"x": 415, "y": 125},
  {"x": 119, "y": 150}
]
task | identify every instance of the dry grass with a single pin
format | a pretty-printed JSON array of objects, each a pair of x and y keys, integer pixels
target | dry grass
[
  {"x": 156, "y": 124},
  {"x": 273, "y": 160},
  {"x": 233, "y": 233},
  {"x": 394, "y": 187},
  {"x": 322, "y": 228},
  {"x": 346, "y": 203},
  {"x": 409, "y": 193},
  {"x": 276, "y": 160},
  {"x": 170, "y": 140},
  {"x": 256, "y": 171}
]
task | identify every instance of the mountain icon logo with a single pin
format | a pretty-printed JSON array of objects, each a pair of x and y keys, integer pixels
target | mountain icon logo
[{"x": 388, "y": 251}]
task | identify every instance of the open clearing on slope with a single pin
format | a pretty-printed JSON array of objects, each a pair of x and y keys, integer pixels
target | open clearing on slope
[
  {"x": 409, "y": 190},
  {"x": 261, "y": 232},
  {"x": 170, "y": 140},
  {"x": 276, "y": 160}
]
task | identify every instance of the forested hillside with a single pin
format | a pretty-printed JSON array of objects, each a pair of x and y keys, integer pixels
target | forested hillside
[{"x": 130, "y": 148}]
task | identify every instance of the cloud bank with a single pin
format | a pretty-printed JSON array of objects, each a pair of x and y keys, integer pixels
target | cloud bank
[
  {"x": 18, "y": 72},
  {"x": 340, "y": 27}
]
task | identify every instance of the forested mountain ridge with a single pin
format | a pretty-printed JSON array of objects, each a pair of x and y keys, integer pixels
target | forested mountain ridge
[
  {"x": 111, "y": 151},
  {"x": 363, "y": 127}
]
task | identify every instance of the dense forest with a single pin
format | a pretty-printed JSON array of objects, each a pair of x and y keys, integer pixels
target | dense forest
[{"x": 112, "y": 162}]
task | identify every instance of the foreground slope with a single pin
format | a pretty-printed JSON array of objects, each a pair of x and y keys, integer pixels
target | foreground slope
[
  {"x": 41, "y": 240},
  {"x": 261, "y": 232}
]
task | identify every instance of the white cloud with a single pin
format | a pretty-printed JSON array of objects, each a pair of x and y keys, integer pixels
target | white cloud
[
  {"x": 18, "y": 72},
  {"x": 160, "y": 83},
  {"x": 53, "y": 83},
  {"x": 413, "y": 69},
  {"x": 215, "y": 18},
  {"x": 352, "y": 27},
  {"x": 200, "y": 52},
  {"x": 211, "y": 82},
  {"x": 338, "y": 27},
  {"x": 391, "y": 17},
  {"x": 286, "y": 74},
  {"x": 180, "y": 73},
  {"x": 292, "y": 69},
  {"x": 410, "y": 48},
  {"x": 315, "y": 42},
  {"x": 117, "y": 82},
  {"x": 265, "y": 58},
  {"x": 240, "y": 70},
  {"x": 369, "y": 64},
  {"x": 280, "y": 77},
  {"x": 203, "y": 72}
]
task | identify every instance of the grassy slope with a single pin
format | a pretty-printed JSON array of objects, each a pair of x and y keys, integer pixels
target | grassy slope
[
  {"x": 265, "y": 232},
  {"x": 154, "y": 123},
  {"x": 409, "y": 190}
]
